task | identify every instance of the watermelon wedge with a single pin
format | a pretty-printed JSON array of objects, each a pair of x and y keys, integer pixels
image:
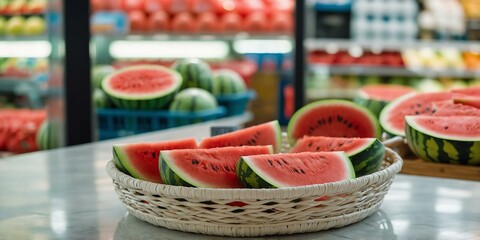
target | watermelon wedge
[
  {"x": 445, "y": 139},
  {"x": 468, "y": 100},
  {"x": 392, "y": 117},
  {"x": 472, "y": 91},
  {"x": 294, "y": 169},
  {"x": 449, "y": 108},
  {"x": 263, "y": 134},
  {"x": 333, "y": 118},
  {"x": 366, "y": 154},
  {"x": 376, "y": 96},
  {"x": 140, "y": 160},
  {"x": 208, "y": 168},
  {"x": 145, "y": 87}
]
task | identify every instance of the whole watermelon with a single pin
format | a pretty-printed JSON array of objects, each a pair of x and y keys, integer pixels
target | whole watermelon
[
  {"x": 99, "y": 72},
  {"x": 193, "y": 99},
  {"x": 226, "y": 82},
  {"x": 195, "y": 74},
  {"x": 48, "y": 136}
]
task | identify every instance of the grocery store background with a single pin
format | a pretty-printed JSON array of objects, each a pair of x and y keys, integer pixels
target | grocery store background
[{"x": 53, "y": 53}]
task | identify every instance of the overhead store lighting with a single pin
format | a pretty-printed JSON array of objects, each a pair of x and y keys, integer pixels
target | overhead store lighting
[
  {"x": 168, "y": 49},
  {"x": 262, "y": 46},
  {"x": 25, "y": 49}
]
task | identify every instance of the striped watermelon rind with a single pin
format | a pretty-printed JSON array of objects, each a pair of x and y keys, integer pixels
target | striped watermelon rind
[
  {"x": 375, "y": 97},
  {"x": 48, "y": 135},
  {"x": 195, "y": 74},
  {"x": 444, "y": 149},
  {"x": 227, "y": 82},
  {"x": 147, "y": 101},
  {"x": 368, "y": 159},
  {"x": 193, "y": 99}
]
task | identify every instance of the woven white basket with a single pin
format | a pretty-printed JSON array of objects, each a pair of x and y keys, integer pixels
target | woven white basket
[{"x": 268, "y": 211}]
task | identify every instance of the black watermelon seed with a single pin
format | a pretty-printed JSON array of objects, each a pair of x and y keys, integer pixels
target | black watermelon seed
[
  {"x": 339, "y": 118},
  {"x": 319, "y": 122},
  {"x": 416, "y": 113},
  {"x": 318, "y": 148},
  {"x": 213, "y": 167},
  {"x": 283, "y": 160},
  {"x": 329, "y": 119},
  {"x": 309, "y": 144},
  {"x": 350, "y": 125},
  {"x": 301, "y": 170},
  {"x": 154, "y": 155},
  {"x": 270, "y": 162},
  {"x": 446, "y": 127}
]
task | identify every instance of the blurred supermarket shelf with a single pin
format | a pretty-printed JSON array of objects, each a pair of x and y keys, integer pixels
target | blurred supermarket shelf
[
  {"x": 394, "y": 71},
  {"x": 346, "y": 44},
  {"x": 195, "y": 37},
  {"x": 23, "y": 38},
  {"x": 12, "y": 84},
  {"x": 315, "y": 93}
]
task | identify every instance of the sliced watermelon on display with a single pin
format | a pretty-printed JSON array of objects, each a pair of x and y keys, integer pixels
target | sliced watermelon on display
[
  {"x": 145, "y": 87},
  {"x": 208, "y": 168},
  {"x": 445, "y": 139},
  {"x": 333, "y": 118},
  {"x": 366, "y": 154},
  {"x": 473, "y": 91},
  {"x": 263, "y": 134},
  {"x": 448, "y": 108},
  {"x": 140, "y": 160},
  {"x": 294, "y": 169},
  {"x": 392, "y": 117},
  {"x": 376, "y": 96},
  {"x": 468, "y": 100}
]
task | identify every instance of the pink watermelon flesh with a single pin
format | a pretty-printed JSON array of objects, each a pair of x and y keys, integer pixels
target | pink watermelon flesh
[
  {"x": 472, "y": 91},
  {"x": 211, "y": 168},
  {"x": 449, "y": 108},
  {"x": 263, "y": 134},
  {"x": 393, "y": 115},
  {"x": 302, "y": 168},
  {"x": 384, "y": 92},
  {"x": 141, "y": 159},
  {"x": 142, "y": 81},
  {"x": 327, "y": 144},
  {"x": 333, "y": 119},
  {"x": 454, "y": 128},
  {"x": 468, "y": 100}
]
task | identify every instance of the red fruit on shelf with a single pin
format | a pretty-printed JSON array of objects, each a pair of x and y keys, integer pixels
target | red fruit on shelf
[
  {"x": 283, "y": 6},
  {"x": 178, "y": 6},
  {"x": 204, "y": 6},
  {"x": 133, "y": 5},
  {"x": 183, "y": 22},
  {"x": 16, "y": 7},
  {"x": 158, "y": 22},
  {"x": 138, "y": 21},
  {"x": 246, "y": 7},
  {"x": 153, "y": 6},
  {"x": 255, "y": 23},
  {"x": 208, "y": 22},
  {"x": 231, "y": 22},
  {"x": 226, "y": 6},
  {"x": 281, "y": 23},
  {"x": 36, "y": 7},
  {"x": 99, "y": 5}
]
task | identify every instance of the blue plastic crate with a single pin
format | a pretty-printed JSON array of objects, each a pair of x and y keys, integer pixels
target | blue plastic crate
[
  {"x": 236, "y": 104},
  {"x": 114, "y": 123}
]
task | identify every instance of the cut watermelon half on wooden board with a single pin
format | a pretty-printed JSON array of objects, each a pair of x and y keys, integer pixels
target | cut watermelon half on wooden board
[
  {"x": 263, "y": 134},
  {"x": 208, "y": 168},
  {"x": 445, "y": 139},
  {"x": 366, "y": 154},
  {"x": 333, "y": 118},
  {"x": 140, "y": 160},
  {"x": 294, "y": 169}
]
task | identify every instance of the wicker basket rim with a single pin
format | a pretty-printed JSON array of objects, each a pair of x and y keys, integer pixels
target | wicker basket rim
[{"x": 344, "y": 186}]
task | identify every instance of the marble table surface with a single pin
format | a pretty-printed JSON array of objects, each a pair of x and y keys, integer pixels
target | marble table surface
[{"x": 67, "y": 194}]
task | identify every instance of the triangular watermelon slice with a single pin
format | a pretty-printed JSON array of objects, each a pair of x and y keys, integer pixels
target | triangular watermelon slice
[
  {"x": 140, "y": 160},
  {"x": 263, "y": 134}
]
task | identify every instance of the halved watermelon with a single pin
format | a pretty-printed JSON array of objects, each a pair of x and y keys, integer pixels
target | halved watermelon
[
  {"x": 468, "y": 100},
  {"x": 392, "y": 117},
  {"x": 142, "y": 86},
  {"x": 445, "y": 139},
  {"x": 376, "y": 96},
  {"x": 140, "y": 160},
  {"x": 209, "y": 168},
  {"x": 472, "y": 91},
  {"x": 449, "y": 108},
  {"x": 366, "y": 154},
  {"x": 263, "y": 134},
  {"x": 333, "y": 118},
  {"x": 294, "y": 169}
]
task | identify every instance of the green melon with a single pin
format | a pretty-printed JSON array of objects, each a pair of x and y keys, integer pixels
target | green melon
[
  {"x": 99, "y": 72},
  {"x": 227, "y": 82},
  {"x": 195, "y": 73},
  {"x": 445, "y": 139},
  {"x": 333, "y": 118},
  {"x": 366, "y": 154},
  {"x": 145, "y": 87},
  {"x": 48, "y": 135},
  {"x": 294, "y": 169},
  {"x": 192, "y": 100}
]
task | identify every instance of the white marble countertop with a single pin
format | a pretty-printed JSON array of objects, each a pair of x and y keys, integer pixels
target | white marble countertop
[{"x": 67, "y": 194}]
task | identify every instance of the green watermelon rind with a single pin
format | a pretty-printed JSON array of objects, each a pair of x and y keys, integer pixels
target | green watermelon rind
[
  {"x": 375, "y": 106},
  {"x": 426, "y": 145},
  {"x": 262, "y": 180},
  {"x": 118, "y": 163},
  {"x": 195, "y": 73},
  {"x": 293, "y": 121},
  {"x": 369, "y": 158},
  {"x": 143, "y": 101},
  {"x": 174, "y": 176},
  {"x": 122, "y": 157},
  {"x": 227, "y": 82},
  {"x": 47, "y": 136}
]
